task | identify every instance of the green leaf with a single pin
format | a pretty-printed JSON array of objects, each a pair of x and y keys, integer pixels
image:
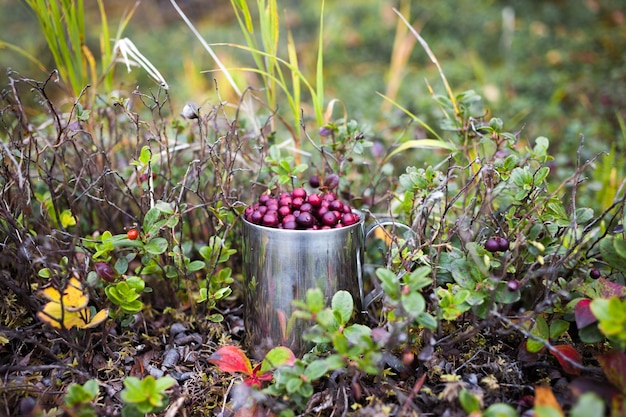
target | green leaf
[
  {"x": 469, "y": 402},
  {"x": 500, "y": 410},
  {"x": 521, "y": 177},
  {"x": 156, "y": 246},
  {"x": 164, "y": 383},
  {"x": 389, "y": 283},
  {"x": 600, "y": 308},
  {"x": 541, "y": 330},
  {"x": 558, "y": 327},
  {"x": 340, "y": 343},
  {"x": 315, "y": 300},
  {"x": 194, "y": 266},
  {"x": 583, "y": 215},
  {"x": 610, "y": 255},
  {"x": 163, "y": 207},
  {"x": 81, "y": 394},
  {"x": 588, "y": 404},
  {"x": 413, "y": 303},
  {"x": 67, "y": 219},
  {"x": 419, "y": 278},
  {"x": 343, "y": 304},
  {"x": 150, "y": 218},
  {"x": 133, "y": 392},
  {"x": 620, "y": 247},
  {"x": 541, "y": 174},
  {"x": 426, "y": 320},
  {"x": 277, "y": 357},
  {"x": 547, "y": 411},
  {"x": 357, "y": 333},
  {"x": 316, "y": 370},
  {"x": 145, "y": 155},
  {"x": 293, "y": 385}
]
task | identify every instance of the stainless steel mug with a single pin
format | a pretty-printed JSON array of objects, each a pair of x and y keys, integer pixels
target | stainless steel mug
[{"x": 279, "y": 266}]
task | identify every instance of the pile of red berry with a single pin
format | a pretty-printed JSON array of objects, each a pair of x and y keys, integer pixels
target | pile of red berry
[{"x": 301, "y": 211}]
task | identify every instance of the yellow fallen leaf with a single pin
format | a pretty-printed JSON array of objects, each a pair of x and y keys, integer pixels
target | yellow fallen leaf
[{"x": 69, "y": 308}]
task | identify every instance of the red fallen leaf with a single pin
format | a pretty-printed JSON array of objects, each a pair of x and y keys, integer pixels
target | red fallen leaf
[
  {"x": 614, "y": 365},
  {"x": 564, "y": 352},
  {"x": 231, "y": 359},
  {"x": 583, "y": 315}
]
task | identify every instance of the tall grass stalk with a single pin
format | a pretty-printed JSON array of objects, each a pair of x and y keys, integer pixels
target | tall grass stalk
[
  {"x": 62, "y": 23},
  {"x": 270, "y": 66}
]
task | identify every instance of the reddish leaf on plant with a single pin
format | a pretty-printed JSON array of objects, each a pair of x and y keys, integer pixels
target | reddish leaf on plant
[
  {"x": 257, "y": 378},
  {"x": 583, "y": 315},
  {"x": 613, "y": 364},
  {"x": 566, "y": 354},
  {"x": 231, "y": 359},
  {"x": 608, "y": 289}
]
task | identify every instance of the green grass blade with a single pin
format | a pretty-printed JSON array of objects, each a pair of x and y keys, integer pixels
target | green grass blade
[
  {"x": 420, "y": 143},
  {"x": 433, "y": 58},
  {"x": 319, "y": 82},
  {"x": 412, "y": 116},
  {"x": 23, "y": 53}
]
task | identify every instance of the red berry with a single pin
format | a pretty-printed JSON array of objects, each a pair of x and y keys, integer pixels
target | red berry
[
  {"x": 512, "y": 285},
  {"x": 284, "y": 211},
  {"x": 285, "y": 201},
  {"x": 256, "y": 217},
  {"x": 306, "y": 207},
  {"x": 330, "y": 218},
  {"x": 595, "y": 273},
  {"x": 332, "y": 181},
  {"x": 348, "y": 219},
  {"x": 336, "y": 205},
  {"x": 105, "y": 271},
  {"x": 315, "y": 200},
  {"x": 305, "y": 219},
  {"x": 299, "y": 192},
  {"x": 297, "y": 202},
  {"x": 503, "y": 244},
  {"x": 270, "y": 219},
  {"x": 291, "y": 225},
  {"x": 492, "y": 245},
  {"x": 132, "y": 234},
  {"x": 264, "y": 198},
  {"x": 314, "y": 181}
]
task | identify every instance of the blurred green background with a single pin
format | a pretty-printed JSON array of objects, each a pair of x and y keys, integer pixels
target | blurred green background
[{"x": 552, "y": 68}]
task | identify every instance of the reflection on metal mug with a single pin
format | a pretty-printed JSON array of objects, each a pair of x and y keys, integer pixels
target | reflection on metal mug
[{"x": 279, "y": 266}]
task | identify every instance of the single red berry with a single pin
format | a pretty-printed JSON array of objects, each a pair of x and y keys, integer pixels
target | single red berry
[
  {"x": 512, "y": 285},
  {"x": 299, "y": 192},
  {"x": 504, "y": 244},
  {"x": 264, "y": 198},
  {"x": 305, "y": 219},
  {"x": 314, "y": 181},
  {"x": 329, "y": 219},
  {"x": 331, "y": 181},
  {"x": 492, "y": 245},
  {"x": 132, "y": 234},
  {"x": 595, "y": 273},
  {"x": 348, "y": 219},
  {"x": 315, "y": 200}
]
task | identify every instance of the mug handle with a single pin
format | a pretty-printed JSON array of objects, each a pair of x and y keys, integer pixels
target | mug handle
[{"x": 376, "y": 293}]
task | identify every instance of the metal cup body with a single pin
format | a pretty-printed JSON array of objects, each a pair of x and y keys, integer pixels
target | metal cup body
[{"x": 279, "y": 266}]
